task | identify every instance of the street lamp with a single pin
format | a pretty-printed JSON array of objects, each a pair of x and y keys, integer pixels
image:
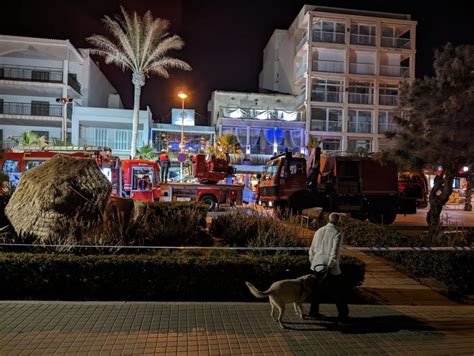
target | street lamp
[
  {"x": 182, "y": 95},
  {"x": 65, "y": 101}
]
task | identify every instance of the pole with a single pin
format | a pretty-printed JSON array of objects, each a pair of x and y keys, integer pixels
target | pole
[
  {"x": 65, "y": 124},
  {"x": 182, "y": 138}
]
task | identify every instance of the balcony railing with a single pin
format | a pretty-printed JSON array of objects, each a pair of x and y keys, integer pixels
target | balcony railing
[
  {"x": 394, "y": 42},
  {"x": 394, "y": 71},
  {"x": 328, "y": 66},
  {"x": 360, "y": 127},
  {"x": 301, "y": 43},
  {"x": 364, "y": 40},
  {"x": 360, "y": 98},
  {"x": 326, "y": 126},
  {"x": 328, "y": 36},
  {"x": 327, "y": 97},
  {"x": 362, "y": 68},
  {"x": 31, "y": 74},
  {"x": 387, "y": 127},
  {"x": 300, "y": 99},
  {"x": 389, "y": 100},
  {"x": 301, "y": 71},
  {"x": 37, "y": 74},
  {"x": 27, "y": 109}
]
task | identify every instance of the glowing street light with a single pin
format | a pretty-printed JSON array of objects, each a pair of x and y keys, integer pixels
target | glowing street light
[{"x": 182, "y": 95}]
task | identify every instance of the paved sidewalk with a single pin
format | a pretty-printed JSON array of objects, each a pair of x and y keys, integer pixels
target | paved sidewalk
[{"x": 94, "y": 328}]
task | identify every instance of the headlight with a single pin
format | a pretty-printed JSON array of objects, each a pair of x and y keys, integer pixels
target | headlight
[{"x": 270, "y": 204}]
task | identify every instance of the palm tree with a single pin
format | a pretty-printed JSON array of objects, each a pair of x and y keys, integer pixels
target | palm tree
[
  {"x": 225, "y": 145},
  {"x": 139, "y": 44},
  {"x": 147, "y": 152}
]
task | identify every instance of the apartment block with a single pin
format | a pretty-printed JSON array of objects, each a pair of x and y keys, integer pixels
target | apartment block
[{"x": 345, "y": 67}]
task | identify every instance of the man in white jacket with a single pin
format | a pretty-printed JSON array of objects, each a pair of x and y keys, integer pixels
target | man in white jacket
[{"x": 324, "y": 253}]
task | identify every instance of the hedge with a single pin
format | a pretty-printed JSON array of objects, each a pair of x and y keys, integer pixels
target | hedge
[
  {"x": 171, "y": 277},
  {"x": 454, "y": 269}
]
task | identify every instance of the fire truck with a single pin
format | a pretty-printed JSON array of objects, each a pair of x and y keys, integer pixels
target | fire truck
[
  {"x": 208, "y": 173},
  {"x": 135, "y": 179},
  {"x": 360, "y": 186}
]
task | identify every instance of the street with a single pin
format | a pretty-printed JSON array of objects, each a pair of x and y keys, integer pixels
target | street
[{"x": 449, "y": 216}]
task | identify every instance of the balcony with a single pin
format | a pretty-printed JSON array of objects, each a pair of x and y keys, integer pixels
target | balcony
[
  {"x": 362, "y": 68},
  {"x": 394, "y": 42},
  {"x": 326, "y": 126},
  {"x": 328, "y": 66},
  {"x": 360, "y": 127},
  {"x": 394, "y": 71},
  {"x": 38, "y": 74},
  {"x": 327, "y": 97},
  {"x": 300, "y": 71},
  {"x": 260, "y": 114},
  {"x": 388, "y": 100},
  {"x": 300, "y": 99},
  {"x": 27, "y": 109},
  {"x": 301, "y": 43},
  {"x": 252, "y": 159},
  {"x": 360, "y": 98},
  {"x": 362, "y": 40},
  {"x": 328, "y": 36},
  {"x": 387, "y": 127}
]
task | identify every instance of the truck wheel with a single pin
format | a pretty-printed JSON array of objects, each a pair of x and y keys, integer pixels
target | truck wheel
[
  {"x": 210, "y": 200},
  {"x": 385, "y": 214}
]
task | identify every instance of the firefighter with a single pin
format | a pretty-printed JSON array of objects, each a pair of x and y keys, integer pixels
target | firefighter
[{"x": 164, "y": 166}]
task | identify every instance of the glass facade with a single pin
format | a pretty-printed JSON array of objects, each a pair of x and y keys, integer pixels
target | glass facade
[{"x": 325, "y": 119}]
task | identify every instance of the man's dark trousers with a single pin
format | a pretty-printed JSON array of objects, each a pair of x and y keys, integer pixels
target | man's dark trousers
[{"x": 333, "y": 286}]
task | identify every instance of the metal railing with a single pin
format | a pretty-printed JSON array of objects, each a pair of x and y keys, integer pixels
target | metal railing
[
  {"x": 326, "y": 126},
  {"x": 362, "y": 68},
  {"x": 360, "y": 127},
  {"x": 301, "y": 43},
  {"x": 27, "y": 109},
  {"x": 394, "y": 42},
  {"x": 328, "y": 66},
  {"x": 327, "y": 97},
  {"x": 389, "y": 100},
  {"x": 364, "y": 40},
  {"x": 328, "y": 36},
  {"x": 73, "y": 83},
  {"x": 300, "y": 99},
  {"x": 394, "y": 71},
  {"x": 300, "y": 71},
  {"x": 31, "y": 74},
  {"x": 360, "y": 98}
]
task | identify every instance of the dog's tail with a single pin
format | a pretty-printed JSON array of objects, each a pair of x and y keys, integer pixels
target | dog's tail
[{"x": 256, "y": 292}]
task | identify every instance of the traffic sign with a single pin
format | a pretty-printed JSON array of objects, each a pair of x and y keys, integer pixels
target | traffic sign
[{"x": 182, "y": 157}]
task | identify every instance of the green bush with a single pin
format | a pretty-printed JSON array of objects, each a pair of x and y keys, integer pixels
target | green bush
[
  {"x": 251, "y": 228},
  {"x": 455, "y": 270},
  {"x": 167, "y": 276}
]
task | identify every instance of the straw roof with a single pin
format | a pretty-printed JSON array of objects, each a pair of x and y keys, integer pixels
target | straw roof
[{"x": 60, "y": 199}]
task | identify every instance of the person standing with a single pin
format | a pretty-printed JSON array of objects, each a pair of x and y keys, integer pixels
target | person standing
[
  {"x": 164, "y": 163},
  {"x": 324, "y": 255}
]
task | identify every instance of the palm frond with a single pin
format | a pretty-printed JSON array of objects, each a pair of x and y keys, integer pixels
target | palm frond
[
  {"x": 169, "y": 43},
  {"x": 107, "y": 49},
  {"x": 167, "y": 63},
  {"x": 123, "y": 38}
]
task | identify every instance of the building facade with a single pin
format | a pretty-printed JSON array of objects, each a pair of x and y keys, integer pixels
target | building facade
[
  {"x": 34, "y": 72},
  {"x": 345, "y": 67}
]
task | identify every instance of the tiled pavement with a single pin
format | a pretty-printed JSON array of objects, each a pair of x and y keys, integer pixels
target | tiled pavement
[{"x": 154, "y": 328}]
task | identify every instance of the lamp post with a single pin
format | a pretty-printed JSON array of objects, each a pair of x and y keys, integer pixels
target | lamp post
[
  {"x": 182, "y": 95},
  {"x": 65, "y": 101}
]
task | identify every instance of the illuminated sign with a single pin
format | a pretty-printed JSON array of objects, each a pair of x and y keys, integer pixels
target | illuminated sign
[{"x": 177, "y": 114}]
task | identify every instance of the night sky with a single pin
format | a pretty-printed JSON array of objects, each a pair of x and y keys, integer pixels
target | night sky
[{"x": 224, "y": 39}]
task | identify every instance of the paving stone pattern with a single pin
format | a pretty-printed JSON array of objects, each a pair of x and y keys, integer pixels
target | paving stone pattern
[{"x": 172, "y": 328}]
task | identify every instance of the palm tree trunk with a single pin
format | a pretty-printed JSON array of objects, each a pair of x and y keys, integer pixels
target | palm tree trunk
[
  {"x": 439, "y": 196},
  {"x": 138, "y": 81}
]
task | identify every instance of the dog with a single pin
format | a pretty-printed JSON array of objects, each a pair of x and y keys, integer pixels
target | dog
[{"x": 286, "y": 291}]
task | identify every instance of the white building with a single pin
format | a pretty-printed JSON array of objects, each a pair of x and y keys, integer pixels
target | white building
[
  {"x": 33, "y": 73},
  {"x": 346, "y": 67},
  {"x": 110, "y": 127}
]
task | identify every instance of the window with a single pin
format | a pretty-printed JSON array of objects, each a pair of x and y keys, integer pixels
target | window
[
  {"x": 357, "y": 145},
  {"x": 33, "y": 164},
  {"x": 122, "y": 139},
  {"x": 330, "y": 145},
  {"x": 1, "y": 106},
  {"x": 329, "y": 31},
  {"x": 327, "y": 91},
  {"x": 363, "y": 34},
  {"x": 293, "y": 169},
  {"x": 388, "y": 95},
  {"x": 361, "y": 93},
  {"x": 386, "y": 122},
  {"x": 40, "y": 75},
  {"x": 142, "y": 178},
  {"x": 329, "y": 120},
  {"x": 11, "y": 166},
  {"x": 360, "y": 121},
  {"x": 270, "y": 169}
]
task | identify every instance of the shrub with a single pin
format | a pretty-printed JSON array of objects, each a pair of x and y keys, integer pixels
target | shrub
[
  {"x": 167, "y": 276},
  {"x": 251, "y": 228}
]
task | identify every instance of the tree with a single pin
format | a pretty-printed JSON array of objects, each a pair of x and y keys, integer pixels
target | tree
[
  {"x": 147, "y": 152},
  {"x": 225, "y": 145},
  {"x": 139, "y": 44},
  {"x": 436, "y": 120}
]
